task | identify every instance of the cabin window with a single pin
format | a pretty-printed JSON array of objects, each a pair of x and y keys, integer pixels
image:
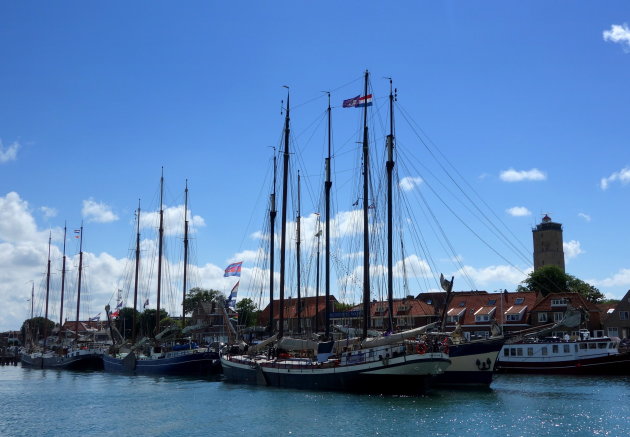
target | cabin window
[
  {"x": 555, "y": 349},
  {"x": 575, "y": 346},
  {"x": 542, "y": 317},
  {"x": 519, "y": 301},
  {"x": 557, "y": 316},
  {"x": 506, "y": 352},
  {"x": 513, "y": 351},
  {"x": 611, "y": 346},
  {"x": 582, "y": 345},
  {"x": 530, "y": 351},
  {"x": 623, "y": 315},
  {"x": 613, "y": 332},
  {"x": 592, "y": 345},
  {"x": 519, "y": 351},
  {"x": 601, "y": 345},
  {"x": 544, "y": 350}
]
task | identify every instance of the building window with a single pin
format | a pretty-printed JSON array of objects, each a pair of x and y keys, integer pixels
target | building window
[
  {"x": 513, "y": 317},
  {"x": 492, "y": 302},
  {"x": 557, "y": 316},
  {"x": 482, "y": 318},
  {"x": 613, "y": 332},
  {"x": 559, "y": 302},
  {"x": 623, "y": 315},
  {"x": 519, "y": 301},
  {"x": 542, "y": 317}
]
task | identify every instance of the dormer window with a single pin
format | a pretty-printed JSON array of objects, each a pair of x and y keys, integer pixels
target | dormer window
[
  {"x": 492, "y": 302},
  {"x": 519, "y": 301},
  {"x": 559, "y": 302}
]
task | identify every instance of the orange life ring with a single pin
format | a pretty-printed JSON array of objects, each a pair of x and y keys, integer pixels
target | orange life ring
[{"x": 421, "y": 348}]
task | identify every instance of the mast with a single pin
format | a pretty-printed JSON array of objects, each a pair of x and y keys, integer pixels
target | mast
[
  {"x": 297, "y": 250},
  {"x": 318, "y": 235},
  {"x": 272, "y": 226},
  {"x": 366, "y": 236},
  {"x": 76, "y": 323},
  {"x": 160, "y": 248},
  {"x": 185, "y": 251},
  {"x": 135, "y": 282},
  {"x": 283, "y": 234},
  {"x": 47, "y": 292},
  {"x": 63, "y": 276},
  {"x": 327, "y": 187},
  {"x": 390, "y": 168}
]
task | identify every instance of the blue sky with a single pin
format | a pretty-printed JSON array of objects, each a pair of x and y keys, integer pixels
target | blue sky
[{"x": 528, "y": 101}]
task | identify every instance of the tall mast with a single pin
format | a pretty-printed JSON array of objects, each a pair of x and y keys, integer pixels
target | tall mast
[
  {"x": 47, "y": 292},
  {"x": 185, "y": 250},
  {"x": 272, "y": 228},
  {"x": 327, "y": 187},
  {"x": 318, "y": 235},
  {"x": 63, "y": 276},
  {"x": 161, "y": 236},
  {"x": 135, "y": 282},
  {"x": 32, "y": 297},
  {"x": 366, "y": 236},
  {"x": 298, "y": 242},
  {"x": 390, "y": 168},
  {"x": 76, "y": 323},
  {"x": 283, "y": 234}
]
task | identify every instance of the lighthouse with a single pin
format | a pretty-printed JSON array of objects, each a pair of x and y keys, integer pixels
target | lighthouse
[{"x": 548, "y": 248}]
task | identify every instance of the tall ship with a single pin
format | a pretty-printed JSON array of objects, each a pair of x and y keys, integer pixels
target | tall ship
[
  {"x": 75, "y": 353},
  {"x": 400, "y": 362},
  {"x": 170, "y": 351}
]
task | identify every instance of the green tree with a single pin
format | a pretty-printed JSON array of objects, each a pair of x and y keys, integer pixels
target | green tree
[
  {"x": 197, "y": 295},
  {"x": 124, "y": 322},
  {"x": 551, "y": 279},
  {"x": 147, "y": 321},
  {"x": 247, "y": 314},
  {"x": 35, "y": 328}
]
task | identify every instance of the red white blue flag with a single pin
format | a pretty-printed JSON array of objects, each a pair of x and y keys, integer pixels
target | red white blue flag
[
  {"x": 231, "y": 301},
  {"x": 233, "y": 269},
  {"x": 358, "y": 102}
]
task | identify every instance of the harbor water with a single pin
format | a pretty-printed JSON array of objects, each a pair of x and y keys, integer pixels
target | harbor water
[{"x": 64, "y": 403}]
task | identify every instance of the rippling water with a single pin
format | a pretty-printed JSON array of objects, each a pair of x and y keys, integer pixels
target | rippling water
[{"x": 55, "y": 403}]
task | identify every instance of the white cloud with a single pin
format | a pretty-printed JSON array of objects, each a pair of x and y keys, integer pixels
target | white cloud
[
  {"x": 48, "y": 212},
  {"x": 97, "y": 212},
  {"x": 619, "y": 279},
  {"x": 500, "y": 274},
  {"x": 518, "y": 211},
  {"x": 9, "y": 153},
  {"x": 572, "y": 249},
  {"x": 618, "y": 34},
  {"x": 512, "y": 175},
  {"x": 173, "y": 220},
  {"x": 622, "y": 176},
  {"x": 409, "y": 183},
  {"x": 585, "y": 216}
]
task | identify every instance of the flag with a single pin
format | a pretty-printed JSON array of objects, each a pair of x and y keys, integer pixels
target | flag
[
  {"x": 77, "y": 233},
  {"x": 358, "y": 102},
  {"x": 115, "y": 313},
  {"x": 233, "y": 269},
  {"x": 146, "y": 303},
  {"x": 231, "y": 301},
  {"x": 96, "y": 318},
  {"x": 119, "y": 305}
]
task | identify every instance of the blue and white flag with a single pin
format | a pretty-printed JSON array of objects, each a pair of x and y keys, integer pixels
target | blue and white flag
[
  {"x": 231, "y": 301},
  {"x": 96, "y": 318}
]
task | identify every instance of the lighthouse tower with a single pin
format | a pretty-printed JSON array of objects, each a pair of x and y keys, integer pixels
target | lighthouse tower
[{"x": 548, "y": 244}]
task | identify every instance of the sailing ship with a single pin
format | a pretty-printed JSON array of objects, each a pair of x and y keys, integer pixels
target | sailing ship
[
  {"x": 80, "y": 353},
  {"x": 397, "y": 363},
  {"x": 168, "y": 353}
]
